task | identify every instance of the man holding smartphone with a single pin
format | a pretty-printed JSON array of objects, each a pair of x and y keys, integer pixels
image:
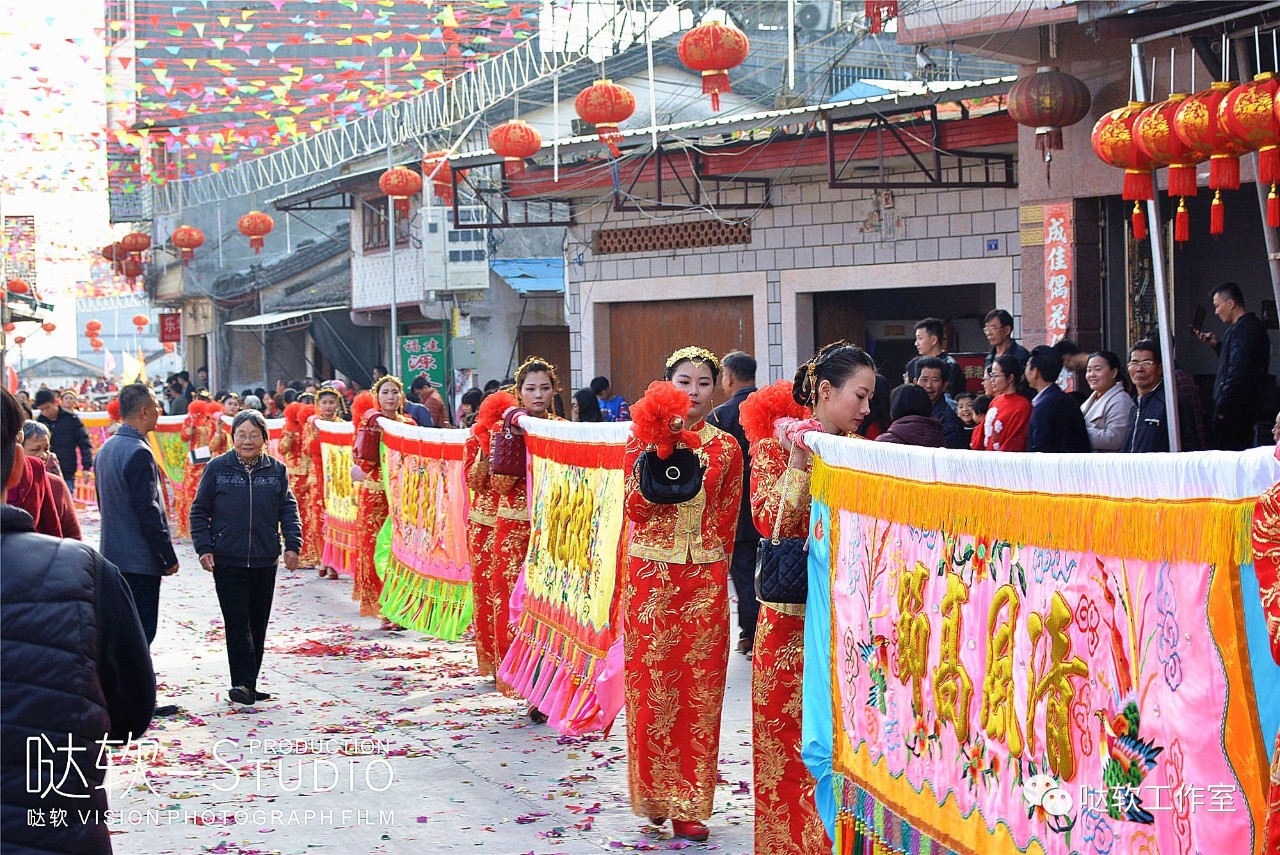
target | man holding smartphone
[{"x": 1244, "y": 354}]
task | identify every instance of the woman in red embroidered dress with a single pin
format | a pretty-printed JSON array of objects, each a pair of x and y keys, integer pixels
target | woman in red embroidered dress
[
  {"x": 328, "y": 405},
  {"x": 294, "y": 454},
  {"x": 675, "y": 602},
  {"x": 1266, "y": 565},
  {"x": 838, "y": 384},
  {"x": 202, "y": 429},
  {"x": 386, "y": 400},
  {"x": 482, "y": 520},
  {"x": 536, "y": 389}
]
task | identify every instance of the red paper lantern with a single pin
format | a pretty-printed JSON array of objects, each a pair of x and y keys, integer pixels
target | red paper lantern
[
  {"x": 93, "y": 326},
  {"x": 437, "y": 162},
  {"x": 187, "y": 239},
  {"x": 515, "y": 140},
  {"x": 135, "y": 243},
  {"x": 141, "y": 322},
  {"x": 713, "y": 48},
  {"x": 1156, "y": 137},
  {"x": 169, "y": 346},
  {"x": 132, "y": 269},
  {"x": 605, "y": 104},
  {"x": 20, "y": 340},
  {"x": 1248, "y": 115},
  {"x": 256, "y": 225},
  {"x": 48, "y": 327},
  {"x": 1049, "y": 101},
  {"x": 1115, "y": 144},
  {"x": 10, "y": 327},
  {"x": 17, "y": 286},
  {"x": 400, "y": 183},
  {"x": 1199, "y": 124},
  {"x": 96, "y": 344}
]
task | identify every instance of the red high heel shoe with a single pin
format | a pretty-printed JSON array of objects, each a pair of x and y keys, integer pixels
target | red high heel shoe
[{"x": 691, "y": 830}]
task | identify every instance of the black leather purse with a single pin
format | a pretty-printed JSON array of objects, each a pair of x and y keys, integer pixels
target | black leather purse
[
  {"x": 671, "y": 481},
  {"x": 782, "y": 572}
]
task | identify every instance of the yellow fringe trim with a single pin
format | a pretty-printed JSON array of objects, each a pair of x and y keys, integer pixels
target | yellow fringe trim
[{"x": 1210, "y": 531}]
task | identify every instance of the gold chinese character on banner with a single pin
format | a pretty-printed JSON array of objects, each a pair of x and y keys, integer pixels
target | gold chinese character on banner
[
  {"x": 952, "y": 686},
  {"x": 998, "y": 717},
  {"x": 1053, "y": 684},
  {"x": 913, "y": 632}
]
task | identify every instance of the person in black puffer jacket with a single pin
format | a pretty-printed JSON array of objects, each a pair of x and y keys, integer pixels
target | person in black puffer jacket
[
  {"x": 74, "y": 670},
  {"x": 242, "y": 508},
  {"x": 909, "y": 407}
]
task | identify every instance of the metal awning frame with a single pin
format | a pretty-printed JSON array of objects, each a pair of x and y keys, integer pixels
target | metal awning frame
[
  {"x": 691, "y": 186},
  {"x": 996, "y": 168}
]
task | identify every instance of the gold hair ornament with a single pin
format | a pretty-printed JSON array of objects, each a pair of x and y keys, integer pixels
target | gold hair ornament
[{"x": 693, "y": 354}]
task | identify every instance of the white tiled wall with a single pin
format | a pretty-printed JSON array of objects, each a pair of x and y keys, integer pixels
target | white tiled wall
[{"x": 812, "y": 227}]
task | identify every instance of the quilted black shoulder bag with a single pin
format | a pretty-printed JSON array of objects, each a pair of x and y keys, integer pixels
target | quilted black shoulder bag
[{"x": 782, "y": 573}]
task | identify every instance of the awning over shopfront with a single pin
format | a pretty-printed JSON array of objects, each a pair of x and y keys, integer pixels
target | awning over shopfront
[
  {"x": 531, "y": 276},
  {"x": 276, "y": 321},
  {"x": 350, "y": 349}
]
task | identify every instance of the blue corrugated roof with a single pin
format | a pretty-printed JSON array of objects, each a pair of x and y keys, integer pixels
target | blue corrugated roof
[{"x": 531, "y": 275}]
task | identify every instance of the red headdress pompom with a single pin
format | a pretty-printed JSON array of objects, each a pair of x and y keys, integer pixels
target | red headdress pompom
[
  {"x": 659, "y": 418},
  {"x": 212, "y": 409},
  {"x": 113, "y": 409},
  {"x": 764, "y": 407},
  {"x": 305, "y": 412},
  {"x": 292, "y": 422},
  {"x": 195, "y": 409},
  {"x": 490, "y": 413},
  {"x": 361, "y": 406}
]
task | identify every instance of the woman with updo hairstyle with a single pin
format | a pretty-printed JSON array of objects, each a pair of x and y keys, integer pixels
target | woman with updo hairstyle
[
  {"x": 675, "y": 600},
  {"x": 386, "y": 400},
  {"x": 832, "y": 392},
  {"x": 502, "y": 550}
]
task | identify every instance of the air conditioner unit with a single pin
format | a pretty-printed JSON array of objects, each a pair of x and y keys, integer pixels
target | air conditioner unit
[
  {"x": 455, "y": 259},
  {"x": 820, "y": 16}
]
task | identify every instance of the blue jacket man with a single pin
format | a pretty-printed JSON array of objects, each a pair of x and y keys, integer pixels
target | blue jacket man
[{"x": 135, "y": 529}]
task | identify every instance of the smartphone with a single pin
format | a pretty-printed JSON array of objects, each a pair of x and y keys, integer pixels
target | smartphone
[{"x": 1197, "y": 322}]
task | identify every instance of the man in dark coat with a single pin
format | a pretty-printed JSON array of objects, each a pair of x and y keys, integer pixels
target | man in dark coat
[
  {"x": 135, "y": 527},
  {"x": 738, "y": 379},
  {"x": 1057, "y": 425},
  {"x": 1244, "y": 354},
  {"x": 66, "y": 435},
  {"x": 74, "y": 671}
]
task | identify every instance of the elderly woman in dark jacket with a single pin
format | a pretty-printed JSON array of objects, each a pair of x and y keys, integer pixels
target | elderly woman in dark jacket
[{"x": 241, "y": 510}]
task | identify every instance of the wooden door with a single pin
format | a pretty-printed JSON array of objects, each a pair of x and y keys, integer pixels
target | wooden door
[
  {"x": 643, "y": 335},
  {"x": 838, "y": 315},
  {"x": 552, "y": 344}
]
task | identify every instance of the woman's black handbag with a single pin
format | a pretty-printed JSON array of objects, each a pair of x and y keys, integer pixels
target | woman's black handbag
[
  {"x": 782, "y": 573},
  {"x": 672, "y": 481}
]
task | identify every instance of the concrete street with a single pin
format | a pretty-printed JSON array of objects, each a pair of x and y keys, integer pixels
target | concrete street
[{"x": 411, "y": 751}]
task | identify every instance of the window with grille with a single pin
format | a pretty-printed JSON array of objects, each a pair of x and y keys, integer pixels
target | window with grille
[{"x": 374, "y": 225}]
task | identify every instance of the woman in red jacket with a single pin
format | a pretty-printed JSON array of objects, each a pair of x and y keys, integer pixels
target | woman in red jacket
[
  {"x": 489, "y": 608},
  {"x": 1008, "y": 419},
  {"x": 837, "y": 386},
  {"x": 386, "y": 401},
  {"x": 675, "y": 600}
]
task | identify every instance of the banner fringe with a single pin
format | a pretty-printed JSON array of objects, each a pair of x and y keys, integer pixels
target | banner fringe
[{"x": 1213, "y": 531}]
